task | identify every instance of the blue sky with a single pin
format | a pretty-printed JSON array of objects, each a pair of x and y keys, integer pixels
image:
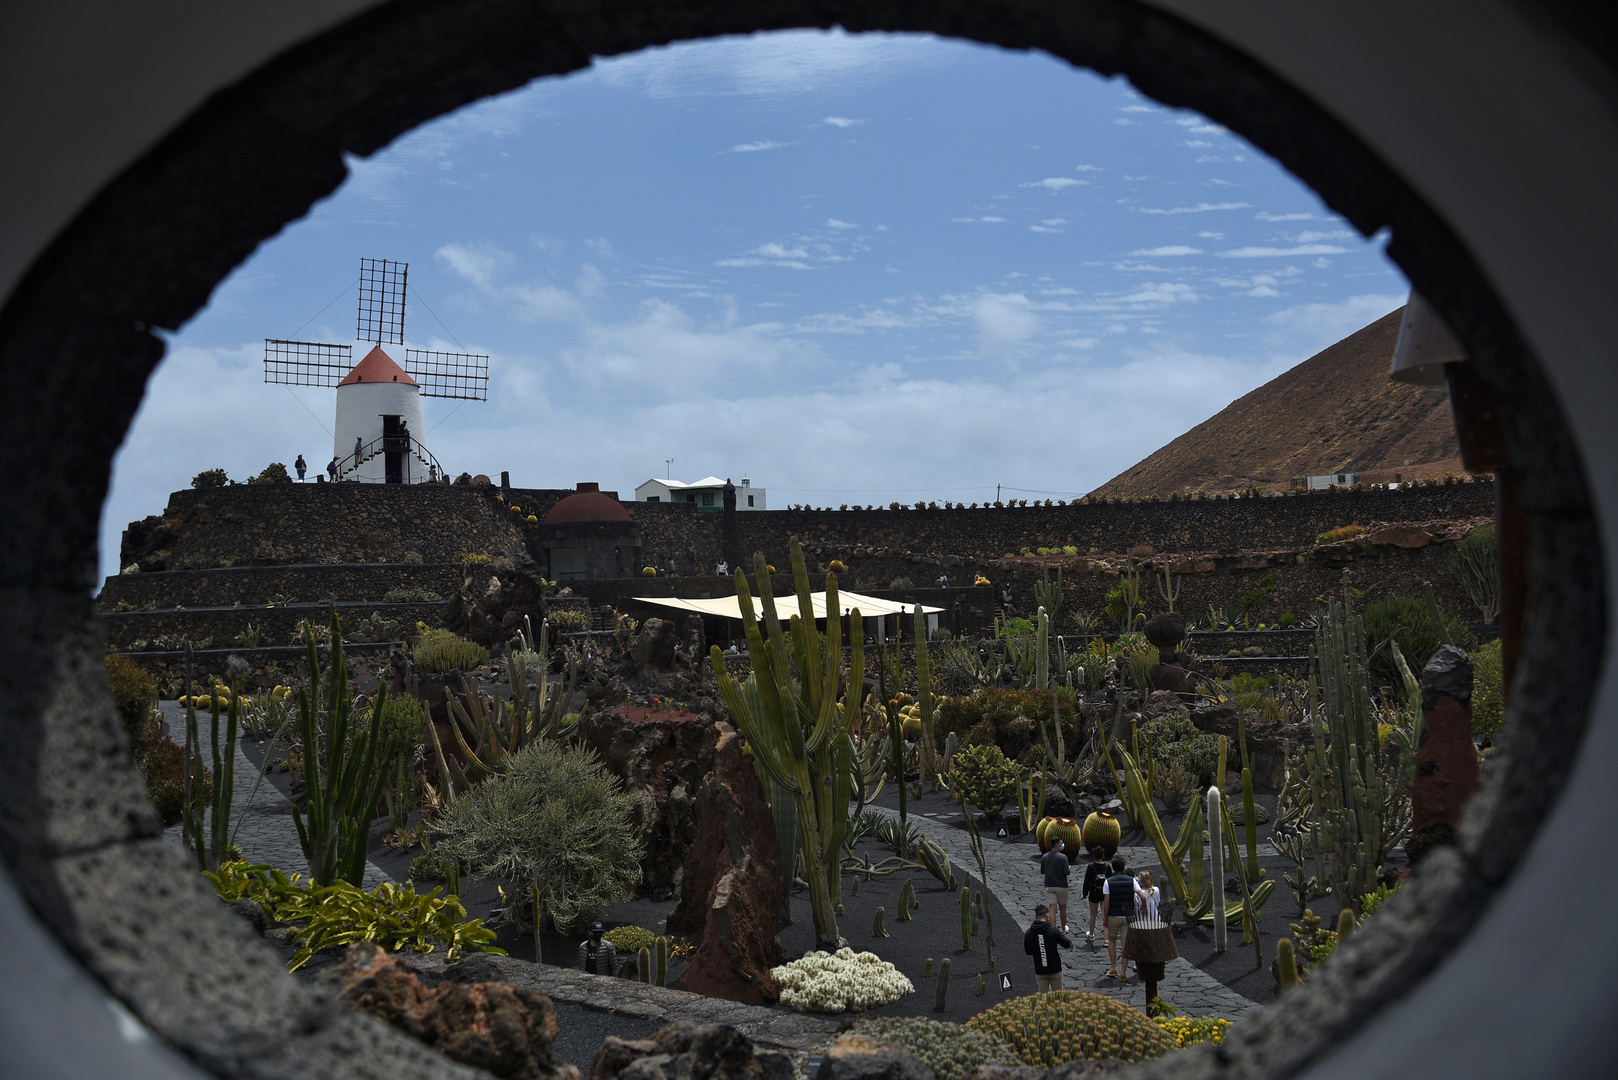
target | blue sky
[{"x": 856, "y": 268}]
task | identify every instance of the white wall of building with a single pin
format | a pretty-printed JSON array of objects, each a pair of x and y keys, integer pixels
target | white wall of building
[
  {"x": 748, "y": 497},
  {"x": 360, "y": 408}
]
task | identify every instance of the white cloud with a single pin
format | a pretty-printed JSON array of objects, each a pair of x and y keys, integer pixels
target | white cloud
[
  {"x": 1055, "y": 183},
  {"x": 1137, "y": 108},
  {"x": 1171, "y": 249},
  {"x": 1166, "y": 293},
  {"x": 992, "y": 219},
  {"x": 842, "y": 121},
  {"x": 1198, "y": 144},
  {"x": 601, "y": 247},
  {"x": 1087, "y": 168},
  {"x": 739, "y": 262},
  {"x": 663, "y": 350},
  {"x": 1081, "y": 343},
  {"x": 1123, "y": 121},
  {"x": 780, "y": 251},
  {"x": 478, "y": 263},
  {"x": 1209, "y": 235},
  {"x": 545, "y": 302},
  {"x": 1278, "y": 253},
  {"x": 1054, "y": 221},
  {"x": 834, "y": 223},
  {"x": 1265, "y": 215},
  {"x": 1043, "y": 229},
  {"x": 1197, "y": 209},
  {"x": 972, "y": 219},
  {"x": 1005, "y": 322},
  {"x": 1335, "y": 234},
  {"x": 764, "y": 144},
  {"x": 1327, "y": 323}
]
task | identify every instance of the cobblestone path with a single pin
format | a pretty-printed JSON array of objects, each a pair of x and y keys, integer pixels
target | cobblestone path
[
  {"x": 1014, "y": 878},
  {"x": 260, "y": 820}
]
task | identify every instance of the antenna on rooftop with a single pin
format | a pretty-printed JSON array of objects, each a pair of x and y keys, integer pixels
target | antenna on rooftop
[{"x": 380, "y": 320}]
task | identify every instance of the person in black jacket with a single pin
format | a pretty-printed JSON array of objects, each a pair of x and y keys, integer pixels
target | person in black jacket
[
  {"x": 1119, "y": 893},
  {"x": 1094, "y": 875},
  {"x": 1041, "y": 942}
]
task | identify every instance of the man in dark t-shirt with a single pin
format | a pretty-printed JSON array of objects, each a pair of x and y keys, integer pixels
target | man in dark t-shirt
[{"x": 1054, "y": 866}]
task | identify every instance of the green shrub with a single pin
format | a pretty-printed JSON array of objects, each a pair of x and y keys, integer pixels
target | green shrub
[
  {"x": 1175, "y": 740},
  {"x": 1417, "y": 638},
  {"x": 950, "y": 1050},
  {"x": 1342, "y": 532},
  {"x": 629, "y": 940},
  {"x": 1000, "y": 709},
  {"x": 274, "y": 473},
  {"x": 440, "y": 651},
  {"x": 393, "y": 916},
  {"x": 558, "y": 822},
  {"x": 1046, "y": 1030},
  {"x": 433, "y": 866},
  {"x": 568, "y": 620},
  {"x": 403, "y": 720},
  {"x": 1488, "y": 690},
  {"x": 209, "y": 478},
  {"x": 983, "y": 777},
  {"x": 133, "y": 691}
]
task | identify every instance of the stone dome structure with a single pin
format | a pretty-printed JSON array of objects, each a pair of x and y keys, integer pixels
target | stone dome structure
[{"x": 588, "y": 503}]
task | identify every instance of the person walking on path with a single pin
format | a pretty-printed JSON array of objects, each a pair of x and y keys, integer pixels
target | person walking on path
[
  {"x": 1120, "y": 892},
  {"x": 1041, "y": 942},
  {"x": 302, "y": 467},
  {"x": 357, "y": 448},
  {"x": 1054, "y": 865},
  {"x": 597, "y": 955},
  {"x": 1094, "y": 875}
]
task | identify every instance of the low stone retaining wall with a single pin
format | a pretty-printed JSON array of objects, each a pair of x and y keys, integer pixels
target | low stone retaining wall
[
  {"x": 227, "y": 585},
  {"x": 129, "y": 629}
]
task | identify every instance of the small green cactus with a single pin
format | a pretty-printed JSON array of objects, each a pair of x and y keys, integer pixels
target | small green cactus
[
  {"x": 1286, "y": 966},
  {"x": 943, "y": 985},
  {"x": 1346, "y": 924},
  {"x": 643, "y": 965},
  {"x": 928, "y": 972},
  {"x": 966, "y": 918},
  {"x": 661, "y": 946},
  {"x": 854, "y": 890},
  {"x": 877, "y": 929},
  {"x": 907, "y": 901},
  {"x": 981, "y": 988}
]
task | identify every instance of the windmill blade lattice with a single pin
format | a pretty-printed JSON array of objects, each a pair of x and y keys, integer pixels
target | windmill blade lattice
[
  {"x": 382, "y": 301},
  {"x": 306, "y": 363},
  {"x": 449, "y": 375}
]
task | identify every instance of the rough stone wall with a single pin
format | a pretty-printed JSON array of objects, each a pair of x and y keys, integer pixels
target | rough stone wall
[
  {"x": 269, "y": 524},
  {"x": 129, "y": 630},
  {"x": 225, "y": 586}
]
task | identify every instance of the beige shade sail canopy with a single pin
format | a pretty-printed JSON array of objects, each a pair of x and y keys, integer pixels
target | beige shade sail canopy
[{"x": 729, "y": 607}]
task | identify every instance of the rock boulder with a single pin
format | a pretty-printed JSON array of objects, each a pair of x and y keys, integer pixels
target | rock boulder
[
  {"x": 501, "y": 1029},
  {"x": 685, "y": 1051},
  {"x": 731, "y": 890}
]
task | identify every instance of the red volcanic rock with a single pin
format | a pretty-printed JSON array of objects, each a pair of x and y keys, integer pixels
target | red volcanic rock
[
  {"x": 505, "y": 1030},
  {"x": 1446, "y": 761},
  {"x": 661, "y": 760},
  {"x": 731, "y": 890}
]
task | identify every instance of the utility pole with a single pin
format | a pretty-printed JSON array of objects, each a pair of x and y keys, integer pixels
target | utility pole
[{"x": 669, "y": 473}]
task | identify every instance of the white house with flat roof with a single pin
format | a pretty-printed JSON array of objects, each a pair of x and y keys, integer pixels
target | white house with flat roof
[{"x": 706, "y": 494}]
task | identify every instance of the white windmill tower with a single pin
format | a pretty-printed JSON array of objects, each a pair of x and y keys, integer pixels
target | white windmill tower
[{"x": 377, "y": 436}]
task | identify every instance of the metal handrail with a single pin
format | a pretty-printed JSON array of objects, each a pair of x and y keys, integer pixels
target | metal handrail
[{"x": 392, "y": 444}]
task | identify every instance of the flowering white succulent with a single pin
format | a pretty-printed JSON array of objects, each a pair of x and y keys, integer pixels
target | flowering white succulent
[{"x": 843, "y": 981}]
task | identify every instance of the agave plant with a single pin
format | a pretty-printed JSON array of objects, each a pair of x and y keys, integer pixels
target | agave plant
[{"x": 489, "y": 733}]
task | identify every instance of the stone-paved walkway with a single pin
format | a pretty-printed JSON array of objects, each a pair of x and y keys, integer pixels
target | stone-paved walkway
[
  {"x": 1015, "y": 879},
  {"x": 260, "y": 821}
]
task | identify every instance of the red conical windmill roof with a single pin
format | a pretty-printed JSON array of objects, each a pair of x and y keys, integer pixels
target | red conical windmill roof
[{"x": 377, "y": 366}]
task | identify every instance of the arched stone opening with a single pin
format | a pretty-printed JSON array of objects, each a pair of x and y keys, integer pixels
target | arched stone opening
[{"x": 80, "y": 844}]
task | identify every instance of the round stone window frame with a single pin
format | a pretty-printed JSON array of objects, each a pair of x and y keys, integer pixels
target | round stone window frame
[{"x": 80, "y": 844}]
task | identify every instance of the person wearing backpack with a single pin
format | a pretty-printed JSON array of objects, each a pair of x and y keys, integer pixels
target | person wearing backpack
[
  {"x": 1041, "y": 942},
  {"x": 1118, "y": 894},
  {"x": 1094, "y": 875}
]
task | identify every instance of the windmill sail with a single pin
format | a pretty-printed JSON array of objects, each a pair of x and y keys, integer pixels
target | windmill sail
[
  {"x": 383, "y": 284},
  {"x": 449, "y": 375},
  {"x": 306, "y": 363}
]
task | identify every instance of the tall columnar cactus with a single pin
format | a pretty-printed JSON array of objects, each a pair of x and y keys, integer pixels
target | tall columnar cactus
[
  {"x": 1042, "y": 652},
  {"x": 940, "y": 995},
  {"x": 1216, "y": 864},
  {"x": 643, "y": 965},
  {"x": 660, "y": 961},
  {"x": 966, "y": 916},
  {"x": 1250, "y": 826},
  {"x": 924, "y": 697},
  {"x": 341, "y": 776},
  {"x": 789, "y": 713},
  {"x": 1349, "y": 788},
  {"x": 1188, "y": 890},
  {"x": 206, "y": 816},
  {"x": 1286, "y": 966},
  {"x": 877, "y": 928}
]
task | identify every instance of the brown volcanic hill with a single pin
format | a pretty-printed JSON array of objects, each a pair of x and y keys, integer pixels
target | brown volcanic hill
[{"x": 1336, "y": 411}]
